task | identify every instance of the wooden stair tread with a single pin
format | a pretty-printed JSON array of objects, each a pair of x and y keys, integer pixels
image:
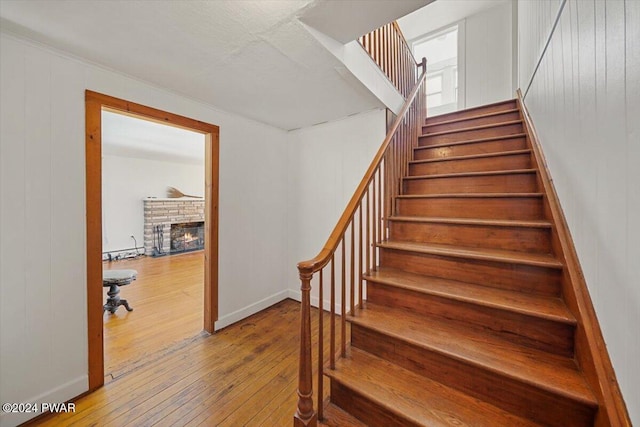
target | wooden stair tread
[
  {"x": 476, "y": 174},
  {"x": 483, "y": 254},
  {"x": 470, "y": 128},
  {"x": 469, "y": 141},
  {"x": 555, "y": 374},
  {"x": 415, "y": 398},
  {"x": 479, "y": 116},
  {"x": 469, "y": 195},
  {"x": 466, "y": 110},
  {"x": 336, "y": 417},
  {"x": 474, "y": 221},
  {"x": 471, "y": 156},
  {"x": 541, "y": 306}
]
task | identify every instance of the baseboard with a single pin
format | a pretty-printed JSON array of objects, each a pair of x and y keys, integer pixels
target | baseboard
[
  {"x": 247, "y": 311},
  {"x": 60, "y": 394},
  {"x": 295, "y": 295}
]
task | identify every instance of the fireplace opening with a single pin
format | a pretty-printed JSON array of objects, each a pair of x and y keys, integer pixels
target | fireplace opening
[{"x": 187, "y": 236}]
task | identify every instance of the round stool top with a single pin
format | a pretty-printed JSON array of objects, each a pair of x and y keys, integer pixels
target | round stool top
[{"x": 118, "y": 277}]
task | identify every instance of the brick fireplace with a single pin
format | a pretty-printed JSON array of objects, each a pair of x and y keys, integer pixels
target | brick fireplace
[{"x": 160, "y": 214}]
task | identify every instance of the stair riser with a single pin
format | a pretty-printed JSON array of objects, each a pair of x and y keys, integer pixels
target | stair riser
[
  {"x": 484, "y": 164},
  {"x": 524, "y": 208},
  {"x": 534, "y": 332},
  {"x": 503, "y": 183},
  {"x": 498, "y": 118},
  {"x": 510, "y": 105},
  {"x": 465, "y": 135},
  {"x": 521, "y": 398},
  {"x": 503, "y": 275},
  {"x": 523, "y": 239},
  {"x": 493, "y": 146},
  {"x": 365, "y": 410}
]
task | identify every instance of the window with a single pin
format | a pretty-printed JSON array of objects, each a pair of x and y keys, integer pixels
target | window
[
  {"x": 441, "y": 51},
  {"x": 434, "y": 89}
]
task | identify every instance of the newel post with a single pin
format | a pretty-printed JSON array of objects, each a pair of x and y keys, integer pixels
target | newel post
[{"x": 305, "y": 415}]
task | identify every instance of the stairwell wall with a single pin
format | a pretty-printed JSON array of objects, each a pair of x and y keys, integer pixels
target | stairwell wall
[
  {"x": 584, "y": 99},
  {"x": 326, "y": 163},
  {"x": 43, "y": 315}
]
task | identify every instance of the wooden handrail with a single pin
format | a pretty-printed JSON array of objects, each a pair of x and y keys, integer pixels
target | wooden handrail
[
  {"x": 323, "y": 258},
  {"x": 371, "y": 204}
]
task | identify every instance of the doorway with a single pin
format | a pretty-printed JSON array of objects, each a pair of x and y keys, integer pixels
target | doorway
[{"x": 95, "y": 103}]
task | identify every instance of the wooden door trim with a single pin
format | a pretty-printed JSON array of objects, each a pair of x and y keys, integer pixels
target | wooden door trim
[{"x": 94, "y": 104}]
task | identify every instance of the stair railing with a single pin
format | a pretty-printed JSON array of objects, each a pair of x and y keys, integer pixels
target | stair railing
[
  {"x": 351, "y": 247},
  {"x": 389, "y": 49}
]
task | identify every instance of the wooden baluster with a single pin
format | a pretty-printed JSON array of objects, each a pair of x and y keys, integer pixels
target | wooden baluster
[
  {"x": 320, "y": 346},
  {"x": 396, "y": 166},
  {"x": 400, "y": 71},
  {"x": 374, "y": 230},
  {"x": 383, "y": 54},
  {"x": 410, "y": 133},
  {"x": 332, "y": 326},
  {"x": 305, "y": 415},
  {"x": 368, "y": 233},
  {"x": 343, "y": 302},
  {"x": 403, "y": 90},
  {"x": 380, "y": 214},
  {"x": 360, "y": 255},
  {"x": 352, "y": 265},
  {"x": 380, "y": 47},
  {"x": 376, "y": 45},
  {"x": 387, "y": 38},
  {"x": 385, "y": 204},
  {"x": 392, "y": 46}
]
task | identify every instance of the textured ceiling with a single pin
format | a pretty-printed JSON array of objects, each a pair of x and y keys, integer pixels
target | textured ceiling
[{"x": 251, "y": 57}]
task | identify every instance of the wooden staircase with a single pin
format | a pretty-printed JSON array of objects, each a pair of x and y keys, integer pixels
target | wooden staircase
[{"x": 464, "y": 321}]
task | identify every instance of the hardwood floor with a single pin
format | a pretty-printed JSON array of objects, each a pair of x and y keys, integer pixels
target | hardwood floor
[
  {"x": 245, "y": 374},
  {"x": 167, "y": 302}
]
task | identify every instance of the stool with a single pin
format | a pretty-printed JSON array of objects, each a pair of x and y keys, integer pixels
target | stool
[{"x": 114, "y": 279}]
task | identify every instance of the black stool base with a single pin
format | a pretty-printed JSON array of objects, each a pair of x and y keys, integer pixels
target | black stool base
[{"x": 114, "y": 301}]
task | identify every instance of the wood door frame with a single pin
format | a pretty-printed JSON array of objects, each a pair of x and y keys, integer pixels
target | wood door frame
[{"x": 94, "y": 104}]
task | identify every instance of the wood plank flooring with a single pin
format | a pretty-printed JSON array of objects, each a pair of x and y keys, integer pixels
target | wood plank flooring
[
  {"x": 245, "y": 374},
  {"x": 167, "y": 301}
]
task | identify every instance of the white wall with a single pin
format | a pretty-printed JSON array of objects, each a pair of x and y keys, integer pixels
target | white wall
[
  {"x": 326, "y": 163},
  {"x": 126, "y": 181},
  {"x": 585, "y": 105},
  {"x": 488, "y": 56},
  {"x": 43, "y": 325}
]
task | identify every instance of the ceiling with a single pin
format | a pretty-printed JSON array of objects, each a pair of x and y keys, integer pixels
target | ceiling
[
  {"x": 441, "y": 13},
  {"x": 251, "y": 57},
  {"x": 127, "y": 136}
]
